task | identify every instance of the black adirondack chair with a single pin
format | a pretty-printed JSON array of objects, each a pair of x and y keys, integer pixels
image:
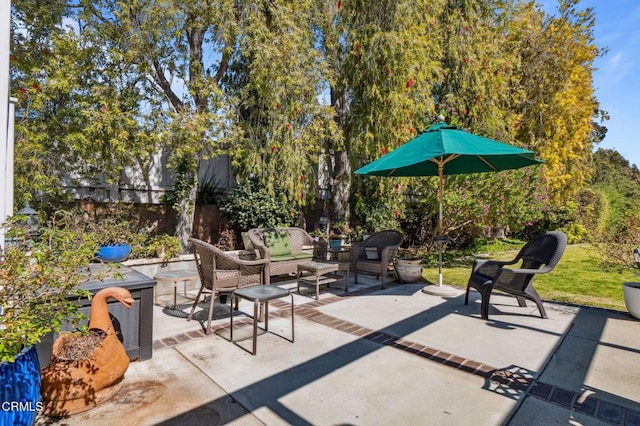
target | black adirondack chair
[{"x": 538, "y": 256}]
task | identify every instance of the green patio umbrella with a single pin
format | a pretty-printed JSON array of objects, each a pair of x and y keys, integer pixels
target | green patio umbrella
[{"x": 443, "y": 150}]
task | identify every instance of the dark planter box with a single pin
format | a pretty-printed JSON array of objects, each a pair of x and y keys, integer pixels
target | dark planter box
[{"x": 134, "y": 325}]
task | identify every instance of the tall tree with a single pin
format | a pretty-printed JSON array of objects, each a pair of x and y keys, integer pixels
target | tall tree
[
  {"x": 479, "y": 63},
  {"x": 558, "y": 105},
  {"x": 44, "y": 114},
  {"x": 183, "y": 49},
  {"x": 277, "y": 79},
  {"x": 383, "y": 58},
  {"x": 277, "y": 83}
]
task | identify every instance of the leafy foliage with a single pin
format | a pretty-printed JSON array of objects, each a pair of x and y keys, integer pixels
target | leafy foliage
[
  {"x": 110, "y": 225},
  {"x": 377, "y": 216},
  {"x": 251, "y": 205},
  {"x": 304, "y": 92},
  {"x": 385, "y": 58},
  {"x": 618, "y": 228},
  {"x": 76, "y": 107},
  {"x": 557, "y": 103},
  {"x": 277, "y": 77},
  {"x": 617, "y": 254},
  {"x": 163, "y": 245},
  {"x": 39, "y": 284},
  {"x": 117, "y": 223},
  {"x": 619, "y": 184}
]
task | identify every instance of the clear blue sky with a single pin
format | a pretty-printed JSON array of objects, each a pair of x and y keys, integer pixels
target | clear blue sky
[{"x": 617, "y": 79}]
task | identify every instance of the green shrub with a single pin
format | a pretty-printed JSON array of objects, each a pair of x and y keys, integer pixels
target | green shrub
[
  {"x": 376, "y": 216},
  {"x": 163, "y": 245},
  {"x": 39, "y": 282},
  {"x": 118, "y": 224},
  {"x": 576, "y": 233},
  {"x": 616, "y": 253},
  {"x": 250, "y": 205}
]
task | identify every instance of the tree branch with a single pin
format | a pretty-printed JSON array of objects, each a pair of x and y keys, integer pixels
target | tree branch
[{"x": 166, "y": 86}]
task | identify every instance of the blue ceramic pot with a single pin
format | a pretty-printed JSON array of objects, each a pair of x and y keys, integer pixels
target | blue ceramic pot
[
  {"x": 20, "y": 389},
  {"x": 335, "y": 244},
  {"x": 114, "y": 253}
]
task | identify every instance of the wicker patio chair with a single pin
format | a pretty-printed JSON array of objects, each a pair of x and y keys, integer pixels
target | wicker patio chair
[
  {"x": 538, "y": 256},
  {"x": 375, "y": 253},
  {"x": 221, "y": 272}
]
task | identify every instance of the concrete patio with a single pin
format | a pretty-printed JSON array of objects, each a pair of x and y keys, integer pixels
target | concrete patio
[{"x": 392, "y": 356}]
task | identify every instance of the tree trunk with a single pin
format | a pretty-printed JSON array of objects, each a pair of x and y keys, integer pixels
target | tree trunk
[
  {"x": 340, "y": 186},
  {"x": 185, "y": 190},
  {"x": 339, "y": 165},
  {"x": 184, "y": 227}
]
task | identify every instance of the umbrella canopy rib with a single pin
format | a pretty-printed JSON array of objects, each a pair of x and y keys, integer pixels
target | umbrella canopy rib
[{"x": 487, "y": 163}]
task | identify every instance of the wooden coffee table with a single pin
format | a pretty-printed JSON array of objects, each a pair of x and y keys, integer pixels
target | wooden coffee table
[{"x": 322, "y": 273}]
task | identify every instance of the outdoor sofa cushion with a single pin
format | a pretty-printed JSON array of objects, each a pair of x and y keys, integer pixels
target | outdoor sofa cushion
[
  {"x": 278, "y": 243},
  {"x": 300, "y": 248}
]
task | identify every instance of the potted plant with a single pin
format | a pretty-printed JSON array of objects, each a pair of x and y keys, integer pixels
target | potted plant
[
  {"x": 319, "y": 235},
  {"x": 631, "y": 290},
  {"x": 339, "y": 232},
  {"x": 164, "y": 246},
  {"x": 620, "y": 255},
  {"x": 38, "y": 292},
  {"x": 408, "y": 266},
  {"x": 114, "y": 237}
]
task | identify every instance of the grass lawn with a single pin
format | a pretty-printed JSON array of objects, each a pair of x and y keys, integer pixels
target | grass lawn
[{"x": 577, "y": 279}]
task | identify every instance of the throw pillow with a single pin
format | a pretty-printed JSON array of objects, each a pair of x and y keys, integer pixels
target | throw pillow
[
  {"x": 246, "y": 241},
  {"x": 371, "y": 252},
  {"x": 277, "y": 242}
]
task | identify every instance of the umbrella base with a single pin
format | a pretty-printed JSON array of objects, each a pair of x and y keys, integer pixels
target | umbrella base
[{"x": 440, "y": 290}]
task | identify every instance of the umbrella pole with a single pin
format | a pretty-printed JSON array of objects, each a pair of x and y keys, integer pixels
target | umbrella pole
[
  {"x": 440, "y": 190},
  {"x": 440, "y": 290}
]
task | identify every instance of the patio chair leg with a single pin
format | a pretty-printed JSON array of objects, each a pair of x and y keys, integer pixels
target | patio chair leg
[
  {"x": 195, "y": 303},
  {"x": 484, "y": 308},
  {"x": 543, "y": 313},
  {"x": 535, "y": 298},
  {"x": 521, "y": 301},
  {"x": 538, "y": 302},
  {"x": 213, "y": 298},
  {"x": 485, "y": 292}
]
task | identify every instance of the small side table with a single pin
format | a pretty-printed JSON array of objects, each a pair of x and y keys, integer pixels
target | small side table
[
  {"x": 174, "y": 277},
  {"x": 340, "y": 254},
  {"x": 322, "y": 273},
  {"x": 261, "y": 294}
]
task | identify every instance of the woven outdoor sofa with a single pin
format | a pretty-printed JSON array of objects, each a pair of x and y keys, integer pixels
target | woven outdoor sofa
[{"x": 285, "y": 248}]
